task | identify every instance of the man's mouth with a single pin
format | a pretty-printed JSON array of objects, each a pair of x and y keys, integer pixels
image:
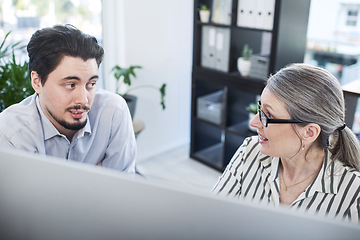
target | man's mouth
[{"x": 78, "y": 112}]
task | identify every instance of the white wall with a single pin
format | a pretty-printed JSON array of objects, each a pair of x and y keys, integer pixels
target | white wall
[{"x": 157, "y": 35}]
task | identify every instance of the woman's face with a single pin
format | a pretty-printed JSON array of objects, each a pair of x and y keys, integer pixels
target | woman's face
[{"x": 277, "y": 140}]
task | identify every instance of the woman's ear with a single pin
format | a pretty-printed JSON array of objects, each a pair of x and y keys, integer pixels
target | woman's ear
[
  {"x": 36, "y": 82},
  {"x": 311, "y": 133}
]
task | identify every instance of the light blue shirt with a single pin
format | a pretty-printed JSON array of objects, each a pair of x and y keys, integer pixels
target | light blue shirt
[{"x": 107, "y": 137}]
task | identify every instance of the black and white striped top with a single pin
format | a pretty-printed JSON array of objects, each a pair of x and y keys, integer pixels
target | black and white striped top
[{"x": 335, "y": 192}]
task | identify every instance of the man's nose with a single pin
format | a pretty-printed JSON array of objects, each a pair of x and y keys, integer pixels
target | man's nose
[{"x": 81, "y": 96}]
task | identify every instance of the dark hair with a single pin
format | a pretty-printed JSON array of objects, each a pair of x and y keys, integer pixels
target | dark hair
[
  {"x": 312, "y": 94},
  {"x": 48, "y": 46}
]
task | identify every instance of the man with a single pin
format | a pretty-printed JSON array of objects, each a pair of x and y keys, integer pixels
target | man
[{"x": 68, "y": 117}]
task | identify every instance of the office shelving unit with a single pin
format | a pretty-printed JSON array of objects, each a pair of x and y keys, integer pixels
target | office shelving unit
[{"x": 214, "y": 143}]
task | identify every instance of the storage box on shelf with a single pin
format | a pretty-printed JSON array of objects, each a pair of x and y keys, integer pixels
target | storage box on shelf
[
  {"x": 259, "y": 66},
  {"x": 211, "y": 107}
]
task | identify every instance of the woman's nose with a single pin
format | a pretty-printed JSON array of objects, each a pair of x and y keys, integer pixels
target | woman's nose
[{"x": 255, "y": 121}]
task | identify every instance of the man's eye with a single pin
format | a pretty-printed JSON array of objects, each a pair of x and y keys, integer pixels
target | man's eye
[
  {"x": 70, "y": 85},
  {"x": 91, "y": 84}
]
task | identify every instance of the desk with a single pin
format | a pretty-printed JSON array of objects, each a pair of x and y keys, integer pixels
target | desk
[{"x": 351, "y": 95}]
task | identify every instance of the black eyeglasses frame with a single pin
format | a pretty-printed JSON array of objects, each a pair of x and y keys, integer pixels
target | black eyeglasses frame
[{"x": 268, "y": 120}]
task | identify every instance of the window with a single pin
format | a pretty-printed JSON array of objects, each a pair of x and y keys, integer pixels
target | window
[
  {"x": 352, "y": 17},
  {"x": 24, "y": 17}
]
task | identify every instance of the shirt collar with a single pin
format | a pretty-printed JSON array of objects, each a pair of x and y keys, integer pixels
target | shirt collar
[
  {"x": 328, "y": 178},
  {"x": 326, "y": 181},
  {"x": 270, "y": 165},
  {"x": 50, "y": 130}
]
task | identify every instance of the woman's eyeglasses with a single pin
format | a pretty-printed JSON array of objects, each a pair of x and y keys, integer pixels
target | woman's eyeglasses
[{"x": 265, "y": 120}]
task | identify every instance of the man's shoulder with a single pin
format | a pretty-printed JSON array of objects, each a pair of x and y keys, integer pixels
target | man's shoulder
[
  {"x": 25, "y": 108},
  {"x": 105, "y": 96},
  {"x": 19, "y": 115},
  {"x": 105, "y": 99},
  {"x": 20, "y": 123}
]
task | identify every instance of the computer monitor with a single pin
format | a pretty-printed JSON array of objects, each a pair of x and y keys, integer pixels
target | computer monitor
[{"x": 48, "y": 198}]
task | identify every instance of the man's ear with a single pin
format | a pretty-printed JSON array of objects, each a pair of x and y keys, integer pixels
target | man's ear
[
  {"x": 311, "y": 132},
  {"x": 36, "y": 82}
]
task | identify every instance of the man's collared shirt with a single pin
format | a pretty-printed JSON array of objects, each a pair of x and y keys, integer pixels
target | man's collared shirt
[{"x": 107, "y": 137}]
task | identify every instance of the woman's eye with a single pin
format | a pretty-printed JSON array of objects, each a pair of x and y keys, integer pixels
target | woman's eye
[{"x": 268, "y": 115}]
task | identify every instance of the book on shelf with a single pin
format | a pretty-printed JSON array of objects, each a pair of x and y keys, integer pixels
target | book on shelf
[{"x": 221, "y": 12}]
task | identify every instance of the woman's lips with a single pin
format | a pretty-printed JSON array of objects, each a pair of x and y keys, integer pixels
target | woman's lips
[{"x": 262, "y": 139}]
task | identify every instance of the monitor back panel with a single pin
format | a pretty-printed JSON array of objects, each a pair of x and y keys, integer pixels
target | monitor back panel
[{"x": 49, "y": 198}]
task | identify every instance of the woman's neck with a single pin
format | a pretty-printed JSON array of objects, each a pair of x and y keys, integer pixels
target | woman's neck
[{"x": 302, "y": 164}]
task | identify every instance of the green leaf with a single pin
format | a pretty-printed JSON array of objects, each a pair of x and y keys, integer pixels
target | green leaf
[
  {"x": 15, "y": 83},
  {"x": 8, "y": 50},
  {"x": 128, "y": 74},
  {"x": 252, "y": 108},
  {"x": 162, "y": 95}
]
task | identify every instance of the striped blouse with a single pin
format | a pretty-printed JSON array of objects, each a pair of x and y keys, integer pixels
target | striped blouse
[{"x": 335, "y": 192}]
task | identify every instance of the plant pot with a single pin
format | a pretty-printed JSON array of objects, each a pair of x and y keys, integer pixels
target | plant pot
[
  {"x": 131, "y": 102},
  {"x": 243, "y": 66},
  {"x": 251, "y": 116},
  {"x": 204, "y": 16}
]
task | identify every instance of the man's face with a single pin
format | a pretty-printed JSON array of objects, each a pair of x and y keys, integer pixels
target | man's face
[{"x": 68, "y": 93}]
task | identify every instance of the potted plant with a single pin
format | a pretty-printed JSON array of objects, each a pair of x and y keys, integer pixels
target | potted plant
[
  {"x": 15, "y": 84},
  {"x": 252, "y": 109},
  {"x": 204, "y": 12},
  {"x": 123, "y": 86},
  {"x": 244, "y": 62}
]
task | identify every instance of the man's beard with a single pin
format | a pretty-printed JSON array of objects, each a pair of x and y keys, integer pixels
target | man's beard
[{"x": 71, "y": 126}]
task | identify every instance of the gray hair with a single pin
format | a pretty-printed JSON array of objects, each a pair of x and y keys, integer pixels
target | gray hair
[{"x": 313, "y": 95}]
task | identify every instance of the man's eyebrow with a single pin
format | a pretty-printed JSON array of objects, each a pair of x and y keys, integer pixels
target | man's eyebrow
[
  {"x": 78, "y": 79},
  {"x": 94, "y": 77},
  {"x": 71, "y": 78}
]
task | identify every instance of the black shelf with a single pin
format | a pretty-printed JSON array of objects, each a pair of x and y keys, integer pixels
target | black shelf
[
  {"x": 215, "y": 144},
  {"x": 212, "y": 154},
  {"x": 241, "y": 129}
]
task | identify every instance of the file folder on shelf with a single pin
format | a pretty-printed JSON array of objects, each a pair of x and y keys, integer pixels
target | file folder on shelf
[
  {"x": 269, "y": 14},
  {"x": 215, "y": 48},
  {"x": 241, "y": 19},
  {"x": 208, "y": 46},
  {"x": 257, "y": 14},
  {"x": 246, "y": 16},
  {"x": 222, "y": 49}
]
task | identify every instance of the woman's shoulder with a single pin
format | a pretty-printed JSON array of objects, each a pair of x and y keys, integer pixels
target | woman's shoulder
[
  {"x": 339, "y": 168},
  {"x": 353, "y": 173},
  {"x": 345, "y": 175}
]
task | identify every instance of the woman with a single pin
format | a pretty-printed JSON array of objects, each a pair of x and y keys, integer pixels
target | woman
[{"x": 304, "y": 155}]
